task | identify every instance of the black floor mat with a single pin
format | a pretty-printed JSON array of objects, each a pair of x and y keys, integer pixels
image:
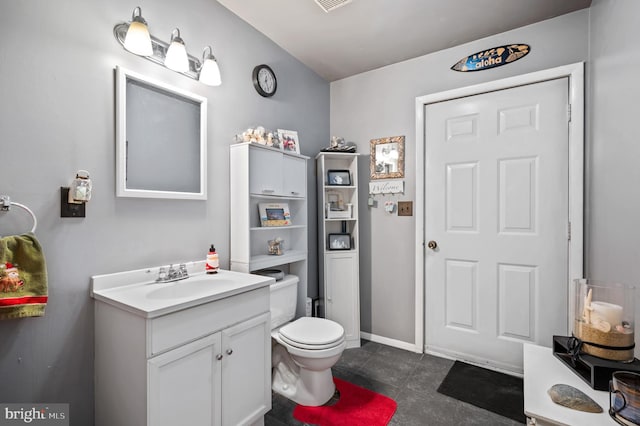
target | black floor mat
[{"x": 488, "y": 389}]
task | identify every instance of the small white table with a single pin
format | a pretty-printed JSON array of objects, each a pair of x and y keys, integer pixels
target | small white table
[{"x": 543, "y": 370}]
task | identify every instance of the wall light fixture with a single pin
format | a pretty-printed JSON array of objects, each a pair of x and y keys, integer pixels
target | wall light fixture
[
  {"x": 138, "y": 40},
  {"x": 209, "y": 72},
  {"x": 134, "y": 36},
  {"x": 176, "y": 58}
]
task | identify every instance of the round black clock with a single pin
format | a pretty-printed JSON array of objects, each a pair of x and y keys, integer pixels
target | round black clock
[{"x": 264, "y": 80}]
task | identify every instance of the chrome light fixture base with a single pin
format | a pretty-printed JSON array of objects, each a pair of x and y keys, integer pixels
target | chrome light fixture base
[{"x": 159, "y": 51}]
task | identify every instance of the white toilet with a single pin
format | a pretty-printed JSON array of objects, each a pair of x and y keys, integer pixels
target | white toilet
[{"x": 304, "y": 350}]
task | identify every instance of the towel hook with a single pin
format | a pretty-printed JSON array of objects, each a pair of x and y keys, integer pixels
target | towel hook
[{"x": 6, "y": 203}]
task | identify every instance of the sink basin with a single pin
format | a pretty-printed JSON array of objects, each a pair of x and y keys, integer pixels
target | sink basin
[
  {"x": 189, "y": 288},
  {"x": 136, "y": 292}
]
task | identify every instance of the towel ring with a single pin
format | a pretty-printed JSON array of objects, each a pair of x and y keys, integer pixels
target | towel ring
[{"x": 6, "y": 203}]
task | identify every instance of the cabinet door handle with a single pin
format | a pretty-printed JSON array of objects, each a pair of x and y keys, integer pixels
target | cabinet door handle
[
  {"x": 229, "y": 351},
  {"x": 295, "y": 193},
  {"x": 219, "y": 357},
  {"x": 268, "y": 191}
]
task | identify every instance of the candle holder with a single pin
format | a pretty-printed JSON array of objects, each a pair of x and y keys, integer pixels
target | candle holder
[{"x": 604, "y": 319}]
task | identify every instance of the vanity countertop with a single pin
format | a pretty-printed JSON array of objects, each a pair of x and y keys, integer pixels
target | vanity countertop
[{"x": 137, "y": 291}]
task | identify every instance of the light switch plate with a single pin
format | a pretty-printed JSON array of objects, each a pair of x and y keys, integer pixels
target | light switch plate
[{"x": 405, "y": 208}]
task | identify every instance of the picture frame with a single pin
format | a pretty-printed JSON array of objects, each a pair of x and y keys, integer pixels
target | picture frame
[
  {"x": 274, "y": 214},
  {"x": 335, "y": 199},
  {"x": 289, "y": 141},
  {"x": 387, "y": 158},
  {"x": 339, "y": 241},
  {"x": 339, "y": 177}
]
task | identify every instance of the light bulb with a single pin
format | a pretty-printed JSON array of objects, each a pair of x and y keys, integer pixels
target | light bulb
[
  {"x": 176, "y": 58},
  {"x": 138, "y": 40},
  {"x": 210, "y": 72}
]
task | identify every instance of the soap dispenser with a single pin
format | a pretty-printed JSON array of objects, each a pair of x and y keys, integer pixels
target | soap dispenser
[{"x": 212, "y": 265}]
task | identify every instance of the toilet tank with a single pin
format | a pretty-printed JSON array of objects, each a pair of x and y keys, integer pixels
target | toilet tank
[{"x": 284, "y": 296}]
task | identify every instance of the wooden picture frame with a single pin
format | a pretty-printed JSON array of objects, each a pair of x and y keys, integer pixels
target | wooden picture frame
[
  {"x": 274, "y": 214},
  {"x": 387, "y": 158}
]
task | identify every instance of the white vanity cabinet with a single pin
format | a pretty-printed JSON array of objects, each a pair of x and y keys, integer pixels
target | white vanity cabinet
[
  {"x": 185, "y": 384},
  {"x": 208, "y": 364},
  {"x": 246, "y": 390}
]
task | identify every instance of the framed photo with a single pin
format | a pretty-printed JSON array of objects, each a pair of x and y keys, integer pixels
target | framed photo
[
  {"x": 339, "y": 177},
  {"x": 274, "y": 214},
  {"x": 339, "y": 241},
  {"x": 387, "y": 158},
  {"x": 335, "y": 200},
  {"x": 289, "y": 140}
]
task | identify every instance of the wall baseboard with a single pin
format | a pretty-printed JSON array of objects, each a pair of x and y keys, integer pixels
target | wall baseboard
[{"x": 391, "y": 342}]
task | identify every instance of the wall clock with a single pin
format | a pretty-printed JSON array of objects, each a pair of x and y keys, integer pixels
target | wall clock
[{"x": 264, "y": 80}]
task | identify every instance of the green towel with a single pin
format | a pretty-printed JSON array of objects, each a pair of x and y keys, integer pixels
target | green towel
[{"x": 23, "y": 277}]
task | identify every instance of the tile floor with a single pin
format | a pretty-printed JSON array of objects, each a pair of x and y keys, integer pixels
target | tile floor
[{"x": 410, "y": 379}]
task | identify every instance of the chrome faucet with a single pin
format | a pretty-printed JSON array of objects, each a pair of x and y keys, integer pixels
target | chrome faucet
[{"x": 172, "y": 274}]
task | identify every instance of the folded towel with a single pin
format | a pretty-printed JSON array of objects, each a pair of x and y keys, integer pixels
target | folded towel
[{"x": 23, "y": 277}]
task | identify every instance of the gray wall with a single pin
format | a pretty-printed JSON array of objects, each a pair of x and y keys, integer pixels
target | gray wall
[
  {"x": 613, "y": 197},
  {"x": 381, "y": 103},
  {"x": 57, "y": 116}
]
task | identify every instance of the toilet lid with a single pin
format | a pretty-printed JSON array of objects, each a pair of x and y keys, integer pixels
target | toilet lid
[{"x": 312, "y": 333}]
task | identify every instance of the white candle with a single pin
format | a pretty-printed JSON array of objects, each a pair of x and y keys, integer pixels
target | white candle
[{"x": 603, "y": 311}]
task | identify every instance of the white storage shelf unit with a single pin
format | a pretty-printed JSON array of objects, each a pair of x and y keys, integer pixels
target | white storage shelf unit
[
  {"x": 260, "y": 174},
  {"x": 347, "y": 195},
  {"x": 339, "y": 268}
]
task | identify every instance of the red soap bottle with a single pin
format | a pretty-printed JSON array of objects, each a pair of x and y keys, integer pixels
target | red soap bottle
[{"x": 212, "y": 265}]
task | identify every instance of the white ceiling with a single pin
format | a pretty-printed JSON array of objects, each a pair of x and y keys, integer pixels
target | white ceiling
[{"x": 368, "y": 34}]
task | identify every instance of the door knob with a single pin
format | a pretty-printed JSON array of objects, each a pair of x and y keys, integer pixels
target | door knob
[{"x": 432, "y": 245}]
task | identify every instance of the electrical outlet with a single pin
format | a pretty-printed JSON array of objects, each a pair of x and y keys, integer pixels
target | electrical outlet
[
  {"x": 405, "y": 208},
  {"x": 68, "y": 209}
]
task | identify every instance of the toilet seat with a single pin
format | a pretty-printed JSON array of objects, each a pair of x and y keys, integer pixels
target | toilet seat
[
  {"x": 309, "y": 347},
  {"x": 312, "y": 353},
  {"x": 312, "y": 333}
]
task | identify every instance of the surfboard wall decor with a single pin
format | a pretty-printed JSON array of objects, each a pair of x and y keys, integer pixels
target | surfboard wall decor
[{"x": 492, "y": 58}]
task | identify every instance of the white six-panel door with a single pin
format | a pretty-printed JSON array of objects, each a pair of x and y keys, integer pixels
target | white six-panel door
[{"x": 497, "y": 208}]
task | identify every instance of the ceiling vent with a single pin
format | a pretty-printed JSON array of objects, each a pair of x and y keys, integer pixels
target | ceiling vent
[{"x": 329, "y": 5}]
